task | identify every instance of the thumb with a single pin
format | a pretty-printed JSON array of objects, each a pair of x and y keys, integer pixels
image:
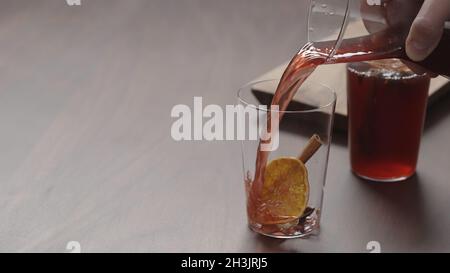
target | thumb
[{"x": 426, "y": 30}]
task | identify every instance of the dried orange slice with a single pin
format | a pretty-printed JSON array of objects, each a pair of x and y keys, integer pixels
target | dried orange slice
[{"x": 285, "y": 192}]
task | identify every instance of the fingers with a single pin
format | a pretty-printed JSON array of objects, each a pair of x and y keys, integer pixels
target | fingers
[{"x": 426, "y": 31}]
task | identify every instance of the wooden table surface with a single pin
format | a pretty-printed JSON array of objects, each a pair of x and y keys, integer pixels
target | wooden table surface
[{"x": 86, "y": 153}]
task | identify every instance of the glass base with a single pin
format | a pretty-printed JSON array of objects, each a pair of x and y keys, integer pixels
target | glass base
[
  {"x": 384, "y": 180},
  {"x": 302, "y": 228}
]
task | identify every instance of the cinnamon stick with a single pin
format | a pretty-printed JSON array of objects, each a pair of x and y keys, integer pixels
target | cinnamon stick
[{"x": 311, "y": 148}]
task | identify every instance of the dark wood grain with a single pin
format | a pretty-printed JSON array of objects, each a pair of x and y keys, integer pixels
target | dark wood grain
[{"x": 86, "y": 152}]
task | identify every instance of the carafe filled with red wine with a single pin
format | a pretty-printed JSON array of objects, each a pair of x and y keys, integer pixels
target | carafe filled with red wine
[{"x": 360, "y": 30}]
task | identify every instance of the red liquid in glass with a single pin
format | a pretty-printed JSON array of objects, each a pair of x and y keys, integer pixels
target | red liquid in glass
[{"x": 386, "y": 117}]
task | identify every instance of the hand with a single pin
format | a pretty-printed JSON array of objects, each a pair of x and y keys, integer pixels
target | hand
[{"x": 427, "y": 29}]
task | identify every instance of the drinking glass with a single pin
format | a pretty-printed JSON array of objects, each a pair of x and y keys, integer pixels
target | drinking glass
[
  {"x": 386, "y": 107},
  {"x": 288, "y": 205}
]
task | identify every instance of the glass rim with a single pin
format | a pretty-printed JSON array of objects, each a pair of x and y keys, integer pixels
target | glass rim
[
  {"x": 341, "y": 31},
  {"x": 351, "y": 67},
  {"x": 314, "y": 108}
]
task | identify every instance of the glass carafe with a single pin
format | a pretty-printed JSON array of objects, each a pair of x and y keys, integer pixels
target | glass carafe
[{"x": 360, "y": 30}]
